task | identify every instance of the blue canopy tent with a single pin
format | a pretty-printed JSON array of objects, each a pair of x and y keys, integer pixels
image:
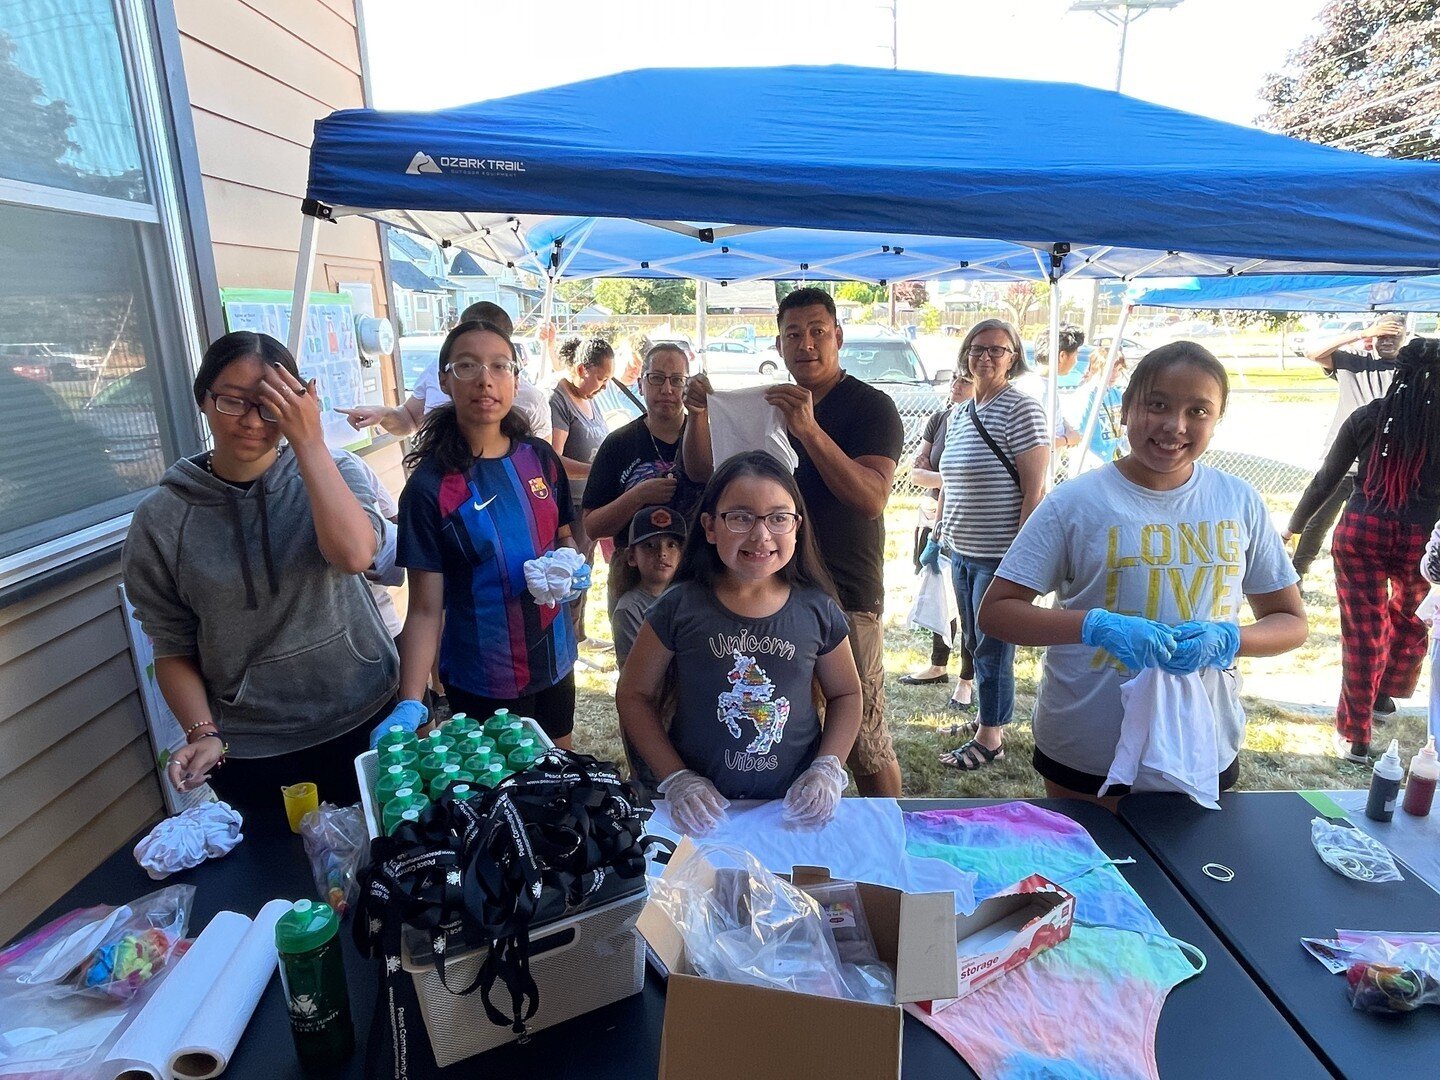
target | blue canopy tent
[
  {"x": 1318, "y": 293},
  {"x": 1078, "y": 181}
]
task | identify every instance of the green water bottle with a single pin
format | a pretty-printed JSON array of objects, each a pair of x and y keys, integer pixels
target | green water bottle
[
  {"x": 437, "y": 742},
  {"x": 451, "y": 774},
  {"x": 459, "y": 726},
  {"x": 523, "y": 756},
  {"x": 432, "y": 765},
  {"x": 479, "y": 759},
  {"x": 392, "y": 780},
  {"x": 406, "y": 806},
  {"x": 492, "y": 774},
  {"x": 510, "y": 738},
  {"x": 396, "y": 735},
  {"x": 312, "y": 974},
  {"x": 473, "y": 742},
  {"x": 498, "y": 723},
  {"x": 407, "y": 757}
]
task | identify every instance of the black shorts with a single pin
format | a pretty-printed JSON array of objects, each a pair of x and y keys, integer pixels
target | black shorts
[
  {"x": 553, "y": 708},
  {"x": 1090, "y": 784}
]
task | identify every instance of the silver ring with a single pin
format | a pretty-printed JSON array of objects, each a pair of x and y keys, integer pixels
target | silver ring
[{"x": 1218, "y": 871}]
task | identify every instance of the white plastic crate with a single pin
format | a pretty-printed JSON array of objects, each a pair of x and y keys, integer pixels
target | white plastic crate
[
  {"x": 579, "y": 964},
  {"x": 367, "y": 764}
]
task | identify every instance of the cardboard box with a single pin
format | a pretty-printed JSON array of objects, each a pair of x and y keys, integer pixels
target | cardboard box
[
  {"x": 718, "y": 1030},
  {"x": 1005, "y": 931}
]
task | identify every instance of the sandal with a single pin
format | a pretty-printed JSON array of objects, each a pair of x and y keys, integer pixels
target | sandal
[{"x": 971, "y": 756}]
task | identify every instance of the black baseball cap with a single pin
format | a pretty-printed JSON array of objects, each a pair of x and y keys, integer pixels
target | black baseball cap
[{"x": 656, "y": 521}]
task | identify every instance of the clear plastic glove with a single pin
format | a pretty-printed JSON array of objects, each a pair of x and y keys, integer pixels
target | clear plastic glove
[
  {"x": 1137, "y": 643},
  {"x": 815, "y": 793},
  {"x": 408, "y": 714},
  {"x": 695, "y": 805},
  {"x": 930, "y": 555},
  {"x": 1203, "y": 644}
]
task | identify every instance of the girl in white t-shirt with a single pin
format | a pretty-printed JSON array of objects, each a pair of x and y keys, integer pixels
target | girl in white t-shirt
[{"x": 1150, "y": 558}]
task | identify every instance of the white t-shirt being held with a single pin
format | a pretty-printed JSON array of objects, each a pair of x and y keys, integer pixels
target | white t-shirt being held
[{"x": 1099, "y": 540}]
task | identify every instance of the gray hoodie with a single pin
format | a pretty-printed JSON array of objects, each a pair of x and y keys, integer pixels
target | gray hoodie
[{"x": 292, "y": 650}]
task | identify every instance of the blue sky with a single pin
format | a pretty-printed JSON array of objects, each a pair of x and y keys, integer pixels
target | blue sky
[{"x": 1206, "y": 56}]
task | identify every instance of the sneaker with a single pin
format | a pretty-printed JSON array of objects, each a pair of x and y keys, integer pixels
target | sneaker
[
  {"x": 1357, "y": 753},
  {"x": 1383, "y": 709}
]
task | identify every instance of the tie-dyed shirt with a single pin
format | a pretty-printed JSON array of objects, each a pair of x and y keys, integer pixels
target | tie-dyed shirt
[{"x": 478, "y": 529}]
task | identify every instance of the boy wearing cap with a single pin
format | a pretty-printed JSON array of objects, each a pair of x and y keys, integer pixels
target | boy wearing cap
[{"x": 643, "y": 570}]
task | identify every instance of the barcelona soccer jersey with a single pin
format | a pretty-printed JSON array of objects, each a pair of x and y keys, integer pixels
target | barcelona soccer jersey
[{"x": 478, "y": 529}]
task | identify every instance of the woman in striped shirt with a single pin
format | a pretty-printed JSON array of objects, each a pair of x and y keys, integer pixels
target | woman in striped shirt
[{"x": 992, "y": 477}]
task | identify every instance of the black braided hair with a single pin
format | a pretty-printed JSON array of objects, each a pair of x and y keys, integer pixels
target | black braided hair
[{"x": 1407, "y": 428}]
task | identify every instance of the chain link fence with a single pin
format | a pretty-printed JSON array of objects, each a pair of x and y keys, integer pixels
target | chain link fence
[{"x": 1273, "y": 439}]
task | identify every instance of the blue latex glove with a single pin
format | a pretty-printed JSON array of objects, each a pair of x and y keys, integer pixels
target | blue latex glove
[
  {"x": 579, "y": 582},
  {"x": 1203, "y": 644},
  {"x": 930, "y": 555},
  {"x": 408, "y": 714},
  {"x": 1135, "y": 642}
]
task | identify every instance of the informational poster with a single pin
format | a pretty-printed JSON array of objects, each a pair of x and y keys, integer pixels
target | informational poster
[
  {"x": 166, "y": 734},
  {"x": 328, "y": 352}
]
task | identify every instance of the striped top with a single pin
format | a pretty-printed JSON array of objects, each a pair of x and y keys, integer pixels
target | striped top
[
  {"x": 982, "y": 503},
  {"x": 477, "y": 529}
]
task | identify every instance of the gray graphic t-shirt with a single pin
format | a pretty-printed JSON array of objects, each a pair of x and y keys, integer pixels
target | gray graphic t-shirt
[{"x": 745, "y": 717}]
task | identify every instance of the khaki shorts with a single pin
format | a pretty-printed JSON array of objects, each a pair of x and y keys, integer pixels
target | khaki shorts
[{"x": 873, "y": 750}]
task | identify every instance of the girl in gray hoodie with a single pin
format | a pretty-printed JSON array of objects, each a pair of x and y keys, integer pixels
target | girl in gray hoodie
[{"x": 245, "y": 566}]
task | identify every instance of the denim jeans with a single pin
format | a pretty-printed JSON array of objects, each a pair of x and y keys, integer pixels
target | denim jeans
[{"x": 994, "y": 659}]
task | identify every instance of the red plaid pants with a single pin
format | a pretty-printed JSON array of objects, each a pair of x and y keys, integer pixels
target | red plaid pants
[{"x": 1382, "y": 643}]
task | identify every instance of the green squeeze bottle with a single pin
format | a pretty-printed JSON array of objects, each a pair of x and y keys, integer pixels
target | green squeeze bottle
[{"x": 312, "y": 974}]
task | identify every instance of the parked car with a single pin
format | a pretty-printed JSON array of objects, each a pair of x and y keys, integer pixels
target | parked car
[
  {"x": 891, "y": 364},
  {"x": 122, "y": 413},
  {"x": 1330, "y": 328},
  {"x": 417, "y": 352},
  {"x": 46, "y": 361}
]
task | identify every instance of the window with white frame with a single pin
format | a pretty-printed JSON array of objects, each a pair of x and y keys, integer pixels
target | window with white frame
[{"x": 92, "y": 293}]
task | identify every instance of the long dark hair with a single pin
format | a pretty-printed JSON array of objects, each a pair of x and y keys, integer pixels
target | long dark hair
[
  {"x": 238, "y": 345},
  {"x": 701, "y": 562},
  {"x": 1407, "y": 427},
  {"x": 440, "y": 436}
]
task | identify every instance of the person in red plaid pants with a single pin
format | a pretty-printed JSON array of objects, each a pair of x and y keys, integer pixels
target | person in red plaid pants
[{"x": 1380, "y": 540}]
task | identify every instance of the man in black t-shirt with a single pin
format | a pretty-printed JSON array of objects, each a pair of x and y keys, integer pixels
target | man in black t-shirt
[
  {"x": 1362, "y": 378},
  {"x": 848, "y": 437}
]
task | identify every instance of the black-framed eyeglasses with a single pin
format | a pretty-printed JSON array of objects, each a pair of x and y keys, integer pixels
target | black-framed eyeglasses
[
  {"x": 238, "y": 406},
  {"x": 777, "y": 523},
  {"x": 994, "y": 352},
  {"x": 658, "y": 381}
]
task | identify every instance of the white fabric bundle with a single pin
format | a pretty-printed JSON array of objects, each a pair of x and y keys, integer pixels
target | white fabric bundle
[
  {"x": 1167, "y": 738},
  {"x": 206, "y": 831},
  {"x": 549, "y": 578},
  {"x": 742, "y": 420}
]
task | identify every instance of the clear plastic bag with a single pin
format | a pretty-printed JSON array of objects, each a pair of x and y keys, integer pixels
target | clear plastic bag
[
  {"x": 1387, "y": 978},
  {"x": 1353, "y": 853},
  {"x": 338, "y": 844},
  {"x": 743, "y": 924},
  {"x": 66, "y": 989},
  {"x": 866, "y": 975}
]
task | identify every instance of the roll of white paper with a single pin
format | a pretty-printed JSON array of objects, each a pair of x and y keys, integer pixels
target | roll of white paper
[
  {"x": 215, "y": 1028},
  {"x": 144, "y": 1050}
]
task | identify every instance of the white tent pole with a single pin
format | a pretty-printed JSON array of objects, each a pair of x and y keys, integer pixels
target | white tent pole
[
  {"x": 300, "y": 297},
  {"x": 1104, "y": 387},
  {"x": 547, "y": 329},
  {"x": 1052, "y": 385},
  {"x": 702, "y": 310}
]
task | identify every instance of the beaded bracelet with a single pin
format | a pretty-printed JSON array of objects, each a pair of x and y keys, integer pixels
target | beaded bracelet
[{"x": 224, "y": 747}]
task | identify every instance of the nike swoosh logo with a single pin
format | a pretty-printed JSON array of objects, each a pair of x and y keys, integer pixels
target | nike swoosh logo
[{"x": 481, "y": 506}]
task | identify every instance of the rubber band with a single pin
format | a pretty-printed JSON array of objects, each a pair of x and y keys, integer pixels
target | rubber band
[{"x": 1218, "y": 872}]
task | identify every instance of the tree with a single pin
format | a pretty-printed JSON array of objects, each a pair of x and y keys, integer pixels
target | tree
[
  {"x": 1367, "y": 81},
  {"x": 1022, "y": 297},
  {"x": 627, "y": 296},
  {"x": 913, "y": 293},
  {"x": 860, "y": 292}
]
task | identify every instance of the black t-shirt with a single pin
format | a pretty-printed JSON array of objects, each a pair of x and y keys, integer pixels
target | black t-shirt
[
  {"x": 863, "y": 422},
  {"x": 631, "y": 455}
]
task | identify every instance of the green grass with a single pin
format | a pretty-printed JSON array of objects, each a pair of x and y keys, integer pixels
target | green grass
[{"x": 1285, "y": 748}]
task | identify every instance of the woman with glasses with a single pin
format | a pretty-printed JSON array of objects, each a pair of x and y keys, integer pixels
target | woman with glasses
[
  {"x": 578, "y": 428},
  {"x": 992, "y": 476},
  {"x": 925, "y": 474},
  {"x": 244, "y": 567},
  {"x": 484, "y": 499}
]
